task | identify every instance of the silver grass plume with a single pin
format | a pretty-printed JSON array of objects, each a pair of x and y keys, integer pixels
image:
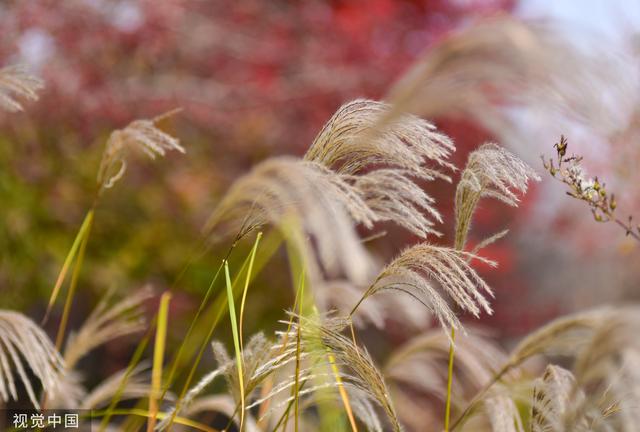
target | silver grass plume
[
  {"x": 421, "y": 269},
  {"x": 353, "y": 140},
  {"x": 193, "y": 394},
  {"x": 341, "y": 295},
  {"x": 16, "y": 83},
  {"x": 107, "y": 322},
  {"x": 356, "y": 367},
  {"x": 383, "y": 160},
  {"x": 553, "y": 394},
  {"x": 596, "y": 341},
  {"x": 139, "y": 135},
  {"x": 137, "y": 386},
  {"x": 287, "y": 192},
  {"x": 69, "y": 393},
  {"x": 255, "y": 354},
  {"x": 421, "y": 362},
  {"x": 394, "y": 196},
  {"x": 25, "y": 345},
  {"x": 354, "y": 172},
  {"x": 500, "y": 63},
  {"x": 360, "y": 367},
  {"x": 607, "y": 370},
  {"x": 491, "y": 171},
  {"x": 562, "y": 336},
  {"x": 503, "y": 413},
  {"x": 322, "y": 353},
  {"x": 364, "y": 409}
]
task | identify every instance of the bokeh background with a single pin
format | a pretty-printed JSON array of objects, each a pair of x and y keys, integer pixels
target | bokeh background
[{"x": 257, "y": 79}]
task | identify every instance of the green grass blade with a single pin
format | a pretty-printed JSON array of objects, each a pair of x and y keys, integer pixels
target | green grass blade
[
  {"x": 192, "y": 326},
  {"x": 236, "y": 340},
  {"x": 246, "y": 286},
  {"x": 158, "y": 359},
  {"x": 74, "y": 281},
  {"x": 214, "y": 313},
  {"x": 82, "y": 232}
]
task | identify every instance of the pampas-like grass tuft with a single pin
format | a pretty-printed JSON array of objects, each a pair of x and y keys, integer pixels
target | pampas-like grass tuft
[
  {"x": 502, "y": 413},
  {"x": 105, "y": 323},
  {"x": 25, "y": 345},
  {"x": 525, "y": 64},
  {"x": 491, "y": 171},
  {"x": 288, "y": 192},
  {"x": 421, "y": 269},
  {"x": 553, "y": 393},
  {"x": 16, "y": 83},
  {"x": 325, "y": 347},
  {"x": 357, "y": 365},
  {"x": 140, "y": 135},
  {"x": 421, "y": 363},
  {"x": 354, "y": 139}
]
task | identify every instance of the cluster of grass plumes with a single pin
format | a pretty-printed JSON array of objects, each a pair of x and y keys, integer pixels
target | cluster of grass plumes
[{"x": 368, "y": 165}]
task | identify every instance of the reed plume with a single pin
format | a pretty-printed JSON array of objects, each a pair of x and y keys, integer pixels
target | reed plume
[
  {"x": 378, "y": 310},
  {"x": 421, "y": 269},
  {"x": 105, "y": 323},
  {"x": 491, "y": 171},
  {"x": 553, "y": 393},
  {"x": 324, "y": 344},
  {"x": 483, "y": 71},
  {"x": 355, "y": 139},
  {"x": 503, "y": 413},
  {"x": 420, "y": 363},
  {"x": 17, "y": 83},
  {"x": 25, "y": 346},
  {"x": 301, "y": 197},
  {"x": 139, "y": 135},
  {"x": 383, "y": 161}
]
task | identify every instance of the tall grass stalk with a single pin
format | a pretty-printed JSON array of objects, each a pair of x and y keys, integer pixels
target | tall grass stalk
[
  {"x": 158, "y": 359},
  {"x": 68, "y": 261},
  {"x": 208, "y": 318},
  {"x": 447, "y": 409},
  {"x": 246, "y": 285},
  {"x": 85, "y": 230},
  {"x": 343, "y": 393},
  {"x": 236, "y": 341},
  {"x": 297, "y": 304},
  {"x": 296, "y": 388},
  {"x": 460, "y": 240}
]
